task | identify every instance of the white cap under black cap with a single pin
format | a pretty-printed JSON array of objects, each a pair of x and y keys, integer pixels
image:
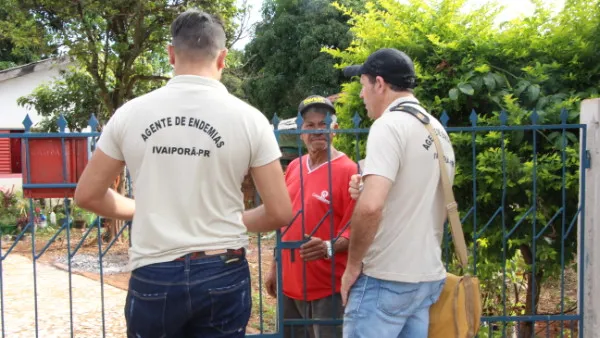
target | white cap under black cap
[{"x": 394, "y": 66}]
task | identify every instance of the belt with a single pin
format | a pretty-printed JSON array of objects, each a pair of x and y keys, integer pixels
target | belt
[{"x": 224, "y": 253}]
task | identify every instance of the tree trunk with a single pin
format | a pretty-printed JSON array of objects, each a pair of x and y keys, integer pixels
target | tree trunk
[{"x": 527, "y": 329}]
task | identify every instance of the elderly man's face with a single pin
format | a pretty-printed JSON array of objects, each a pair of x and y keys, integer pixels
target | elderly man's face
[{"x": 315, "y": 121}]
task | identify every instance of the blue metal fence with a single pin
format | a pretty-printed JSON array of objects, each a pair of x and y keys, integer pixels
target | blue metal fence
[{"x": 517, "y": 186}]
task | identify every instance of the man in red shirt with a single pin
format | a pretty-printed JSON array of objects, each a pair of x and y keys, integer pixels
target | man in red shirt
[{"x": 318, "y": 187}]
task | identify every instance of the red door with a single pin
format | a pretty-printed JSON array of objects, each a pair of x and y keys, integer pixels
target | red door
[
  {"x": 15, "y": 153},
  {"x": 5, "y": 166}
]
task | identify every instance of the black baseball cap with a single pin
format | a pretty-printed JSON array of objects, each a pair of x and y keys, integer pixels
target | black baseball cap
[
  {"x": 394, "y": 66},
  {"x": 315, "y": 100}
]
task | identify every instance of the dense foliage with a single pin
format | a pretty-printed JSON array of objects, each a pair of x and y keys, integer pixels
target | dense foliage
[
  {"x": 284, "y": 62},
  {"x": 22, "y": 38}
]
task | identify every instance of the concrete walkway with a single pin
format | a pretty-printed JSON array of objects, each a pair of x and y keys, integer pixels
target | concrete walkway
[{"x": 54, "y": 309}]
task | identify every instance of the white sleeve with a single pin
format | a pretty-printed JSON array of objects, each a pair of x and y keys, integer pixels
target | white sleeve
[
  {"x": 111, "y": 138},
  {"x": 265, "y": 148},
  {"x": 384, "y": 154}
]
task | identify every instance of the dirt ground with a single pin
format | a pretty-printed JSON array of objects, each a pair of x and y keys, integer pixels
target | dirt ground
[
  {"x": 549, "y": 298},
  {"x": 121, "y": 280}
]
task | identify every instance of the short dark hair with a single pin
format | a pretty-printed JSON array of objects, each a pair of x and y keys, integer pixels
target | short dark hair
[
  {"x": 198, "y": 33},
  {"x": 393, "y": 87}
]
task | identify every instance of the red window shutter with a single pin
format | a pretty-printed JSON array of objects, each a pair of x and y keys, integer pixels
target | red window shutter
[{"x": 5, "y": 166}]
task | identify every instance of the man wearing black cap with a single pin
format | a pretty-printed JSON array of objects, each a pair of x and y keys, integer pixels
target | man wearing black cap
[
  {"x": 395, "y": 271},
  {"x": 311, "y": 283}
]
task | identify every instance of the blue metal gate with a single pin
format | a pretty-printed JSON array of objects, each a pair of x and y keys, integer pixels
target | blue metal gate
[
  {"x": 517, "y": 187},
  {"x": 518, "y": 191}
]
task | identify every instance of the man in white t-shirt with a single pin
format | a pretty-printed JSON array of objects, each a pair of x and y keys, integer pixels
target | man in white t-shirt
[
  {"x": 188, "y": 147},
  {"x": 395, "y": 271}
]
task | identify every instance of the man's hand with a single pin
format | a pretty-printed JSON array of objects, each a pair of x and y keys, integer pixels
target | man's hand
[
  {"x": 94, "y": 192},
  {"x": 355, "y": 186},
  {"x": 348, "y": 279},
  {"x": 271, "y": 281},
  {"x": 276, "y": 211},
  {"x": 314, "y": 249}
]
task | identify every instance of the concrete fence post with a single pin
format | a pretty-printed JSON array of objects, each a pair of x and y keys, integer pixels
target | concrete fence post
[{"x": 590, "y": 116}]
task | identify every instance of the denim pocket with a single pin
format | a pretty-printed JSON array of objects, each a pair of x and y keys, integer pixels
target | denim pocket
[
  {"x": 395, "y": 298},
  {"x": 437, "y": 290},
  {"x": 355, "y": 297},
  {"x": 145, "y": 314},
  {"x": 230, "y": 307}
]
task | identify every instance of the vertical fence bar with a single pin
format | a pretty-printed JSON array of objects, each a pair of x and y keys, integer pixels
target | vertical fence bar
[
  {"x": 2, "y": 305},
  {"x": 581, "y": 263},
  {"x": 277, "y": 254},
  {"x": 534, "y": 120},
  {"x": 277, "y": 250},
  {"x": 503, "y": 120},
  {"x": 62, "y": 124},
  {"x": 27, "y": 123},
  {"x": 260, "y": 289},
  {"x": 563, "y": 153},
  {"x": 31, "y": 223},
  {"x": 473, "y": 119},
  {"x": 276, "y": 261},
  {"x": 68, "y": 208},
  {"x": 356, "y": 121},
  {"x": 447, "y": 234},
  {"x": 295, "y": 254},
  {"x": 99, "y": 239},
  {"x": 333, "y": 235}
]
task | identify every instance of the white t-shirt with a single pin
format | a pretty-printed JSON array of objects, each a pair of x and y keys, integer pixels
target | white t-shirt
[
  {"x": 188, "y": 147},
  {"x": 407, "y": 245}
]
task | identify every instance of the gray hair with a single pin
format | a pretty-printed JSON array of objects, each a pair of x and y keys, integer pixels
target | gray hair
[{"x": 198, "y": 34}]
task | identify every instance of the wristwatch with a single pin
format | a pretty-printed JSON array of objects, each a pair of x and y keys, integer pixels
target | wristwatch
[{"x": 329, "y": 253}]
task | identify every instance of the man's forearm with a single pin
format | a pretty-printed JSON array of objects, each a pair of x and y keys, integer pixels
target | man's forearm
[
  {"x": 112, "y": 205},
  {"x": 341, "y": 244},
  {"x": 257, "y": 220},
  {"x": 364, "y": 228}
]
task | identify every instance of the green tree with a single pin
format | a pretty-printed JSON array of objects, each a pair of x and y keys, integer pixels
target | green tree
[
  {"x": 22, "y": 38},
  {"x": 284, "y": 62},
  {"x": 234, "y": 75},
  {"x": 119, "y": 46},
  {"x": 474, "y": 70},
  {"x": 74, "y": 94}
]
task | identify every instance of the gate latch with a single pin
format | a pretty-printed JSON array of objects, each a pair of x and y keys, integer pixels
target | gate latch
[{"x": 588, "y": 160}]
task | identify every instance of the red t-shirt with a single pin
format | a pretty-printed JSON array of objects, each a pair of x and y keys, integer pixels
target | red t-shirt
[{"x": 316, "y": 204}]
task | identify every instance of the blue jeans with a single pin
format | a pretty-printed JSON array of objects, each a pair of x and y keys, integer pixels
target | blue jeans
[
  {"x": 385, "y": 309},
  {"x": 205, "y": 297}
]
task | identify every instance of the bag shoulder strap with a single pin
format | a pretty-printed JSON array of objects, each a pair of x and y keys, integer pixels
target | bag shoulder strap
[{"x": 456, "y": 228}]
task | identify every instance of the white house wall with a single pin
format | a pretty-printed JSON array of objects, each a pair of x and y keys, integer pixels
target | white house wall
[{"x": 21, "y": 81}]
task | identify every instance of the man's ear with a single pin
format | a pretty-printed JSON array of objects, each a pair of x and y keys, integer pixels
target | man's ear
[
  {"x": 221, "y": 59},
  {"x": 379, "y": 84},
  {"x": 171, "y": 52},
  {"x": 334, "y": 126}
]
